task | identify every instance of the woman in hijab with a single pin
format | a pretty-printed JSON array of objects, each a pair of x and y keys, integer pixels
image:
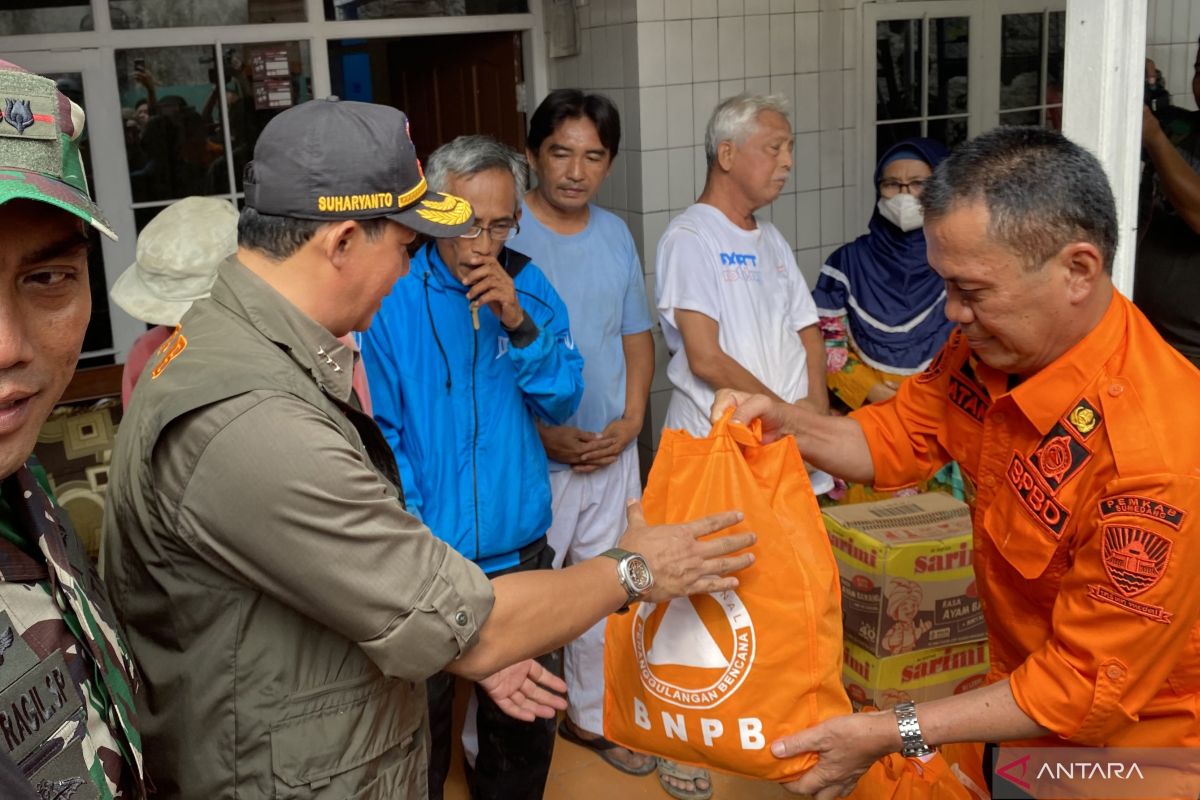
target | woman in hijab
[{"x": 881, "y": 306}]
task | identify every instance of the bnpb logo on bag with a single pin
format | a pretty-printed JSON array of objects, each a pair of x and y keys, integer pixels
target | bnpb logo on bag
[{"x": 694, "y": 657}]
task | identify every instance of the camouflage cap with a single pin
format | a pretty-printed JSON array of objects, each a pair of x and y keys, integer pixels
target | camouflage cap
[{"x": 40, "y": 158}]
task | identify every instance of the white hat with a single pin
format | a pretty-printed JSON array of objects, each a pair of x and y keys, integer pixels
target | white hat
[{"x": 178, "y": 253}]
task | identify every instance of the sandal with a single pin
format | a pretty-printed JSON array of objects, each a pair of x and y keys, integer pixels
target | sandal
[
  {"x": 682, "y": 772},
  {"x": 603, "y": 748}
]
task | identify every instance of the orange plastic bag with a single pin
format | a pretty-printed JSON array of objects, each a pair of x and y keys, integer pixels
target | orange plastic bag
[
  {"x": 954, "y": 774},
  {"x": 714, "y": 679}
]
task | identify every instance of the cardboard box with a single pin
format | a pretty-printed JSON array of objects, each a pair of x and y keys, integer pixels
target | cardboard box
[
  {"x": 906, "y": 574},
  {"x": 917, "y": 676}
]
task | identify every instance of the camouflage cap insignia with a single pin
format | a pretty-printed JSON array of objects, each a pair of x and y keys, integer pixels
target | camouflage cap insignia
[{"x": 29, "y": 117}]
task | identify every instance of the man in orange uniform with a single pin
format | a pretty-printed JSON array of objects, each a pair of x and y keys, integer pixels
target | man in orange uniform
[{"x": 1062, "y": 406}]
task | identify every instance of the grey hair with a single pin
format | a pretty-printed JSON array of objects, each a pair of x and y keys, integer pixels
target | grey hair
[
  {"x": 471, "y": 155},
  {"x": 734, "y": 119}
]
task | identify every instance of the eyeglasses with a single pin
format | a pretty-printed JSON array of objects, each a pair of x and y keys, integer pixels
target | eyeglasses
[
  {"x": 497, "y": 231},
  {"x": 889, "y": 187}
]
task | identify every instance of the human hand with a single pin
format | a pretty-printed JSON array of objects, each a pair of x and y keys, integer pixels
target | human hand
[
  {"x": 845, "y": 746},
  {"x": 568, "y": 445},
  {"x": 884, "y": 390},
  {"x": 526, "y": 691},
  {"x": 144, "y": 77},
  {"x": 681, "y": 564},
  {"x": 612, "y": 441},
  {"x": 490, "y": 285},
  {"x": 1151, "y": 129},
  {"x": 777, "y": 417}
]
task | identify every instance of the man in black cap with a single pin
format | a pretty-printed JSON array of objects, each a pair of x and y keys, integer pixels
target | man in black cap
[{"x": 284, "y": 607}]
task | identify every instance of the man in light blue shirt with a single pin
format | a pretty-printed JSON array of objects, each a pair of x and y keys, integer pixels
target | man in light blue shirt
[{"x": 590, "y": 258}]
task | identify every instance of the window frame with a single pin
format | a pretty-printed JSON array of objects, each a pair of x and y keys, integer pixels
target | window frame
[
  {"x": 93, "y": 53},
  {"x": 983, "y": 59}
]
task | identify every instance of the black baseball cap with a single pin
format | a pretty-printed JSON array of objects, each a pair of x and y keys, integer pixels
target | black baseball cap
[{"x": 339, "y": 159}]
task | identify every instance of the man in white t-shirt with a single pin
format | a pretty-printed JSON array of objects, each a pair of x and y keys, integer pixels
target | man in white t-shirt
[{"x": 734, "y": 307}]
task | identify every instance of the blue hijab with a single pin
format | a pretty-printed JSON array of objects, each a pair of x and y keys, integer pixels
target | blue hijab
[{"x": 893, "y": 301}]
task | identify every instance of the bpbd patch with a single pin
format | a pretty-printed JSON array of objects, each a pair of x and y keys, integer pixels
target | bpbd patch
[{"x": 1059, "y": 456}]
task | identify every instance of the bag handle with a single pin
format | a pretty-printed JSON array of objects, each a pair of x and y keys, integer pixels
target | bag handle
[{"x": 745, "y": 435}]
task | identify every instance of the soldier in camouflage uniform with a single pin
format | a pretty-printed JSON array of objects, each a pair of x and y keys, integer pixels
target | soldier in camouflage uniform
[{"x": 67, "y": 682}]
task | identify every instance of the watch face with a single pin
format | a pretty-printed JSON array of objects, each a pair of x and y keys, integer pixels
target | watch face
[{"x": 639, "y": 574}]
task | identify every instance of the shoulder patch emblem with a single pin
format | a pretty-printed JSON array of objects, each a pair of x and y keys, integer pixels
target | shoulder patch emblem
[
  {"x": 1134, "y": 558},
  {"x": 1142, "y": 507},
  {"x": 1084, "y": 418}
]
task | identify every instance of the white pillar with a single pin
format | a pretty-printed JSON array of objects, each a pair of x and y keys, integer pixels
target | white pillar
[{"x": 1102, "y": 103}]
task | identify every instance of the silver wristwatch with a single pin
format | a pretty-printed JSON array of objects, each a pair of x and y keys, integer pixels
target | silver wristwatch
[
  {"x": 634, "y": 574},
  {"x": 912, "y": 743}
]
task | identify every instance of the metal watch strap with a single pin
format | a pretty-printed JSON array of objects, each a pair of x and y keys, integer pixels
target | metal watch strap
[
  {"x": 619, "y": 555},
  {"x": 912, "y": 743}
]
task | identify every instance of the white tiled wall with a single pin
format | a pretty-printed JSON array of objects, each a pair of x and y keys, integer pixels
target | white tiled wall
[
  {"x": 1172, "y": 30},
  {"x": 668, "y": 62}
]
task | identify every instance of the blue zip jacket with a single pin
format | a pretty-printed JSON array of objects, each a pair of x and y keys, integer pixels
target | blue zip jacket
[{"x": 457, "y": 405}]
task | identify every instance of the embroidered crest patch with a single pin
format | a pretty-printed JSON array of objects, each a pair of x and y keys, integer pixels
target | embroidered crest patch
[
  {"x": 1134, "y": 558},
  {"x": 1141, "y": 507},
  {"x": 1059, "y": 457}
]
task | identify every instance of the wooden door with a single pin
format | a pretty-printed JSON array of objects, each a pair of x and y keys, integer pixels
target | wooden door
[{"x": 455, "y": 85}]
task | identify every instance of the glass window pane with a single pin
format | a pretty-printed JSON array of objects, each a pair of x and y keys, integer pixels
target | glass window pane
[
  {"x": 45, "y": 16},
  {"x": 888, "y": 135},
  {"x": 393, "y": 9},
  {"x": 261, "y": 80},
  {"x": 950, "y": 132},
  {"x": 1020, "y": 60},
  {"x": 174, "y": 14},
  {"x": 1054, "y": 60},
  {"x": 899, "y": 75},
  {"x": 99, "y": 331},
  {"x": 174, "y": 141},
  {"x": 1030, "y": 117},
  {"x": 948, "y": 46}
]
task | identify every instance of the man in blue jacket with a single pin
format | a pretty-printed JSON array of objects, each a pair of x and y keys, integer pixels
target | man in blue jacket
[{"x": 464, "y": 355}]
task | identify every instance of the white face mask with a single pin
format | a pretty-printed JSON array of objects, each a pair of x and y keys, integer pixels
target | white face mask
[{"x": 903, "y": 211}]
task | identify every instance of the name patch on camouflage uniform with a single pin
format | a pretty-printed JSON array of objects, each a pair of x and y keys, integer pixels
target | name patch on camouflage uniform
[{"x": 36, "y": 705}]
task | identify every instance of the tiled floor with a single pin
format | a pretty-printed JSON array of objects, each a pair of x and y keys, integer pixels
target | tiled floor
[{"x": 578, "y": 774}]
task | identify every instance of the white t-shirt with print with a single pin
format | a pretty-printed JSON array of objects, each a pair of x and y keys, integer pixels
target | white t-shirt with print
[{"x": 750, "y": 284}]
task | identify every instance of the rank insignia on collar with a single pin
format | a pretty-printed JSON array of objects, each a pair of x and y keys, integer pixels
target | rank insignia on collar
[{"x": 1084, "y": 418}]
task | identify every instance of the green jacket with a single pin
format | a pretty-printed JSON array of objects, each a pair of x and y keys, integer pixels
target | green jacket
[{"x": 282, "y": 605}]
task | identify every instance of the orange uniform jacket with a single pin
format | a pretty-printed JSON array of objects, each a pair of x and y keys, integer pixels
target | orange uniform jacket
[{"x": 1087, "y": 542}]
